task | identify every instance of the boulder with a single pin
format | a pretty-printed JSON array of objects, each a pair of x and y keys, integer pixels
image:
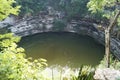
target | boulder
[{"x": 107, "y": 74}]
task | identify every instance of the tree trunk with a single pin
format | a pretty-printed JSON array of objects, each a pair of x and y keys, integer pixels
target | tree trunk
[
  {"x": 108, "y": 30},
  {"x": 107, "y": 47}
]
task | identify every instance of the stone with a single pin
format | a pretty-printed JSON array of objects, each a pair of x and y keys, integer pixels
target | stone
[
  {"x": 8, "y": 21},
  {"x": 107, "y": 74},
  {"x": 44, "y": 23}
]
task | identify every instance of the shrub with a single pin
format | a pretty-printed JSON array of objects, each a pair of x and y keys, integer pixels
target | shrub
[
  {"x": 86, "y": 73},
  {"x": 14, "y": 65},
  {"x": 59, "y": 25},
  {"x": 114, "y": 63}
]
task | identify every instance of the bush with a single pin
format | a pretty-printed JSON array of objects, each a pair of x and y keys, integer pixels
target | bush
[
  {"x": 17, "y": 67},
  {"x": 14, "y": 65},
  {"x": 86, "y": 73},
  {"x": 114, "y": 63},
  {"x": 59, "y": 25}
]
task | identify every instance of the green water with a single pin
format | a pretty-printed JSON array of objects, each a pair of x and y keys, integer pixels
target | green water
[{"x": 63, "y": 48}]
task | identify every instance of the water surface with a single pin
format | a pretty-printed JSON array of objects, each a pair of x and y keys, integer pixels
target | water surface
[{"x": 63, "y": 48}]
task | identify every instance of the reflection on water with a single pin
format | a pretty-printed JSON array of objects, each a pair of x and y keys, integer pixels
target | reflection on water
[{"x": 63, "y": 48}]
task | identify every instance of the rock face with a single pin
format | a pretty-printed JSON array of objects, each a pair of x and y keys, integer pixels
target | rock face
[
  {"x": 44, "y": 22},
  {"x": 107, "y": 74},
  {"x": 9, "y": 20},
  {"x": 33, "y": 25}
]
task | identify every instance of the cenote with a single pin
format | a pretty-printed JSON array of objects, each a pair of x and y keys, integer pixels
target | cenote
[{"x": 63, "y": 48}]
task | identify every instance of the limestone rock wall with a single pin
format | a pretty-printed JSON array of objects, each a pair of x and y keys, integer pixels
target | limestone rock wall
[
  {"x": 45, "y": 23},
  {"x": 107, "y": 74}
]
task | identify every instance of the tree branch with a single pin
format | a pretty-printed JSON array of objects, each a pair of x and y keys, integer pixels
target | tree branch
[{"x": 112, "y": 23}]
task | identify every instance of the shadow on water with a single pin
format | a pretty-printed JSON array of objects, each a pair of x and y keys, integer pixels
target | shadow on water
[{"x": 63, "y": 48}]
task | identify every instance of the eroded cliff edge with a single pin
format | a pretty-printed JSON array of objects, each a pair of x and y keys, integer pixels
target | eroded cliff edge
[{"x": 46, "y": 23}]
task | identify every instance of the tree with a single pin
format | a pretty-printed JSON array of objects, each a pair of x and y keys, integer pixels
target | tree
[
  {"x": 74, "y": 8},
  {"x": 108, "y": 8},
  {"x": 29, "y": 7},
  {"x": 13, "y": 64},
  {"x": 7, "y": 7}
]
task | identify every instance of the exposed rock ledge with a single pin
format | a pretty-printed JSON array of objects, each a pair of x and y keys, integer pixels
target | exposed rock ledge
[
  {"x": 45, "y": 23},
  {"x": 107, "y": 74}
]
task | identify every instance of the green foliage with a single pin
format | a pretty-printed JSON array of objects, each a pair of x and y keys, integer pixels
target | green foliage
[
  {"x": 107, "y": 7},
  {"x": 4, "y": 30},
  {"x": 101, "y": 5},
  {"x": 118, "y": 78},
  {"x": 114, "y": 63},
  {"x": 97, "y": 5},
  {"x": 14, "y": 65},
  {"x": 59, "y": 25},
  {"x": 7, "y": 8},
  {"x": 86, "y": 73},
  {"x": 74, "y": 8},
  {"x": 31, "y": 6},
  {"x": 66, "y": 73}
]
